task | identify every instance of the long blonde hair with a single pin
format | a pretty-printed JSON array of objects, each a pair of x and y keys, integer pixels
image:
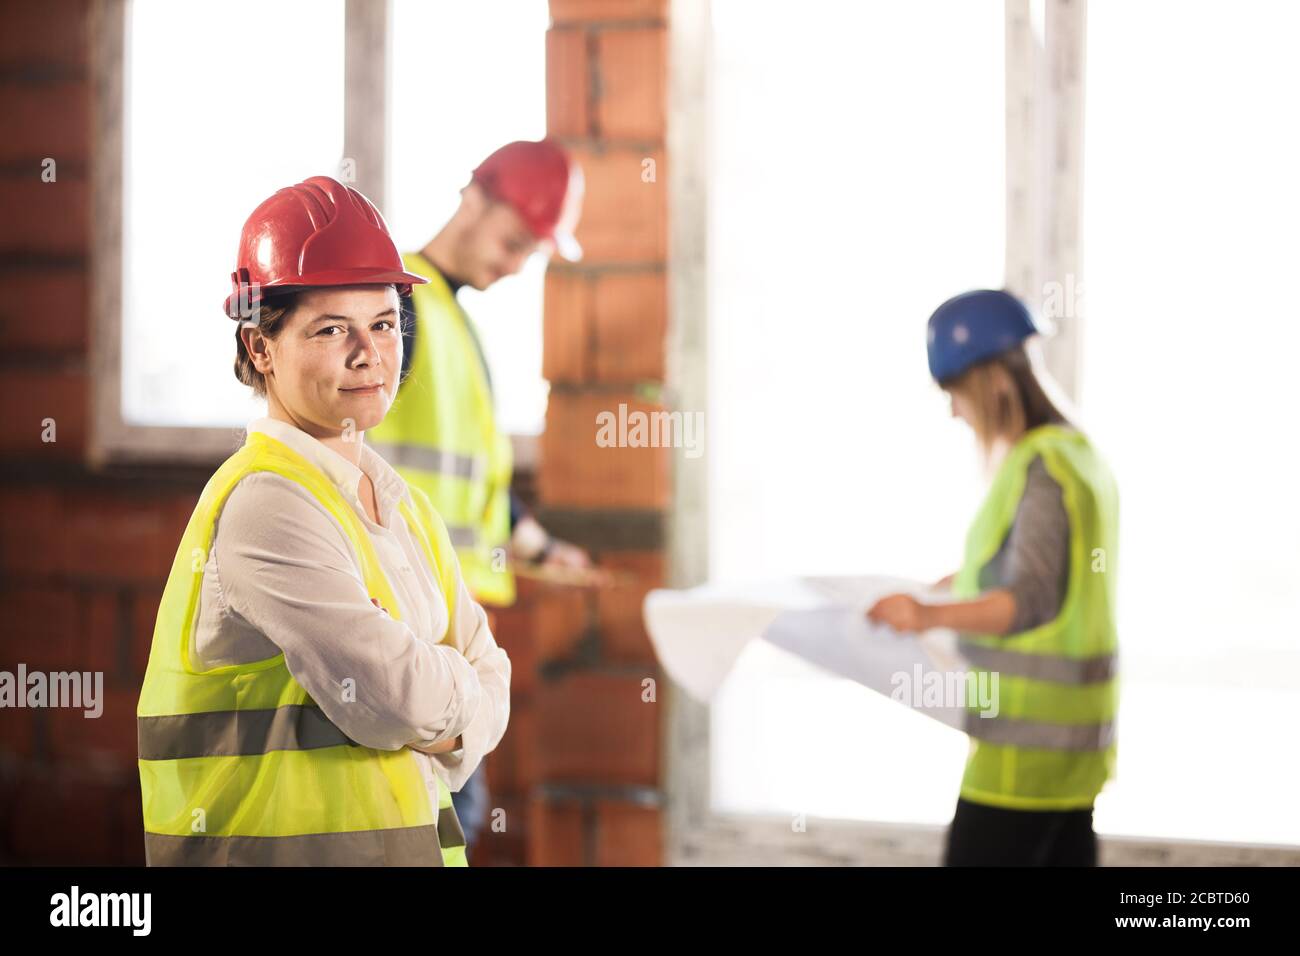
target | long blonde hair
[{"x": 1010, "y": 394}]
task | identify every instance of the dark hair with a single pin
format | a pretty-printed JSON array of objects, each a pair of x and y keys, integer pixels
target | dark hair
[
  {"x": 269, "y": 318},
  {"x": 1038, "y": 406}
]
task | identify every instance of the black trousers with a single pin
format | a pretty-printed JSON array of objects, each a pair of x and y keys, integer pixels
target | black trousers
[{"x": 981, "y": 835}]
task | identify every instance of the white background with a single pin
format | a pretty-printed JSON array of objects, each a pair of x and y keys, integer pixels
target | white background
[{"x": 858, "y": 183}]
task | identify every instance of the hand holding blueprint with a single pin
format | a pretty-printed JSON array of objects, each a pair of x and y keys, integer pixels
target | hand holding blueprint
[{"x": 698, "y": 634}]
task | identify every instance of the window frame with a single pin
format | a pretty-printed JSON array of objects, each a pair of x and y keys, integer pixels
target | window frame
[
  {"x": 367, "y": 73},
  {"x": 1044, "y": 133}
]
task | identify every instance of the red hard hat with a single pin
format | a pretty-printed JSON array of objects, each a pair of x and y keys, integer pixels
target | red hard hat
[
  {"x": 544, "y": 185},
  {"x": 318, "y": 233}
]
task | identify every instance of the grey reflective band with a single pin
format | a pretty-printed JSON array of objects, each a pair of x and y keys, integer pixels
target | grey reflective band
[
  {"x": 1039, "y": 734},
  {"x": 1051, "y": 667},
  {"x": 450, "y": 835},
  {"x": 436, "y": 460},
  {"x": 237, "y": 733},
  {"x": 397, "y": 846},
  {"x": 462, "y": 536}
]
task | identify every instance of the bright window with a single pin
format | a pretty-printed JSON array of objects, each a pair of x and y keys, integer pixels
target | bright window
[
  {"x": 1192, "y": 331},
  {"x": 218, "y": 116},
  {"x": 215, "y": 121},
  {"x": 857, "y": 182},
  {"x": 467, "y": 78}
]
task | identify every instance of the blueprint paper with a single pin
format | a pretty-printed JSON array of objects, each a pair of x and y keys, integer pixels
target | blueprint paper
[{"x": 698, "y": 634}]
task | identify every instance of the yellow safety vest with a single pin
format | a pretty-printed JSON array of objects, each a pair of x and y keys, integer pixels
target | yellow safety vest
[
  {"x": 441, "y": 436},
  {"x": 238, "y": 765},
  {"x": 1052, "y": 744}
]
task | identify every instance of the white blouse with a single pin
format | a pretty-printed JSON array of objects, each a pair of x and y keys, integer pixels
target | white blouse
[{"x": 281, "y": 575}]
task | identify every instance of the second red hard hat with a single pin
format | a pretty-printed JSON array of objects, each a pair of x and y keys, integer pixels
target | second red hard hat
[
  {"x": 543, "y": 183},
  {"x": 317, "y": 233}
]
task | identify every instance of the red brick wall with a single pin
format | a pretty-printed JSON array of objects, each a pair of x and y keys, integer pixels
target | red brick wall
[
  {"x": 84, "y": 555},
  {"x": 586, "y": 758}
]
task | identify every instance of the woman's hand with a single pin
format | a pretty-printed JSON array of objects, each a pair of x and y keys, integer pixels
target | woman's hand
[
  {"x": 562, "y": 554},
  {"x": 902, "y": 612},
  {"x": 445, "y": 746},
  {"x": 993, "y": 612}
]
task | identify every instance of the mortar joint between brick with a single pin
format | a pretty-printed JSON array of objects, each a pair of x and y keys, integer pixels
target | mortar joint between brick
[
  {"x": 600, "y": 26},
  {"x": 593, "y": 84}
]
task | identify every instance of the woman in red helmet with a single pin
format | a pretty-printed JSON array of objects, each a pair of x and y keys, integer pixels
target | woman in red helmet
[{"x": 320, "y": 678}]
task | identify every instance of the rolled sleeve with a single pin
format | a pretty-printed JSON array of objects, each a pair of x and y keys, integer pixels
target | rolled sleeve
[{"x": 288, "y": 569}]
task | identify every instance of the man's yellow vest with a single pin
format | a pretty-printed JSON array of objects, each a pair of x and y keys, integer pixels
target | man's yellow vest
[
  {"x": 441, "y": 436},
  {"x": 238, "y": 765},
  {"x": 1052, "y": 744}
]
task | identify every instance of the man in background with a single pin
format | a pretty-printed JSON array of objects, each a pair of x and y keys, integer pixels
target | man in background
[{"x": 441, "y": 432}]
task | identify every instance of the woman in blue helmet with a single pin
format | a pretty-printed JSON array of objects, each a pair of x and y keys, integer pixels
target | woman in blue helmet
[{"x": 1035, "y": 599}]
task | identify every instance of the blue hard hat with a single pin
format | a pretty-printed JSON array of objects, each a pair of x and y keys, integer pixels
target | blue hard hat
[{"x": 975, "y": 326}]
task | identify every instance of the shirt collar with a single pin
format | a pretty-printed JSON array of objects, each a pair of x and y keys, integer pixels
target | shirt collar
[{"x": 390, "y": 487}]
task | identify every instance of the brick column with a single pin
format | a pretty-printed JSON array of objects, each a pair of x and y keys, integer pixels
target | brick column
[{"x": 589, "y": 717}]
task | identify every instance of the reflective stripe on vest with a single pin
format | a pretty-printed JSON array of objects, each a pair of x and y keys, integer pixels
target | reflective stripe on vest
[
  {"x": 238, "y": 765},
  {"x": 451, "y": 838},
  {"x": 441, "y": 436},
  {"x": 436, "y": 460},
  {"x": 292, "y": 727},
  {"x": 237, "y": 733},
  {"x": 1062, "y": 670},
  {"x": 1039, "y": 734},
  {"x": 463, "y": 537},
  {"x": 1051, "y": 742},
  {"x": 411, "y": 846}
]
